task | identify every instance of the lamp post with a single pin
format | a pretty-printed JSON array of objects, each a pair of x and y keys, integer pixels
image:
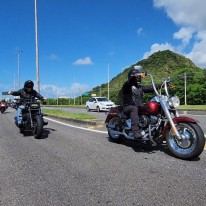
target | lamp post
[
  {"x": 18, "y": 60},
  {"x": 108, "y": 82},
  {"x": 185, "y": 77},
  {"x": 37, "y": 49}
]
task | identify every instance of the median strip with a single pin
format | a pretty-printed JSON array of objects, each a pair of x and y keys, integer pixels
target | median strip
[{"x": 73, "y": 117}]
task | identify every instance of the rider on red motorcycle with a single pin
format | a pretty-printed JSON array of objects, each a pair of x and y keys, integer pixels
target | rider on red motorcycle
[
  {"x": 133, "y": 98},
  {"x": 159, "y": 119}
]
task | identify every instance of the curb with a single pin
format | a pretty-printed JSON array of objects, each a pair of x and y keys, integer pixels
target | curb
[{"x": 91, "y": 122}]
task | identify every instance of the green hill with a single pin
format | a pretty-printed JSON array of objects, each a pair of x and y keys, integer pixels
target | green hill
[{"x": 156, "y": 64}]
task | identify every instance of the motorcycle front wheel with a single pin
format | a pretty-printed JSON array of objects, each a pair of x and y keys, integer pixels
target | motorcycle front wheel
[
  {"x": 115, "y": 125},
  {"x": 37, "y": 126},
  {"x": 192, "y": 143}
]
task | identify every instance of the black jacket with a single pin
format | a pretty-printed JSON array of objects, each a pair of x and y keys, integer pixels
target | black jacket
[
  {"x": 133, "y": 93},
  {"x": 24, "y": 95}
]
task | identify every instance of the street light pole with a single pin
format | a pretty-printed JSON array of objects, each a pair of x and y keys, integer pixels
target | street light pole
[
  {"x": 108, "y": 82},
  {"x": 18, "y": 60},
  {"x": 185, "y": 75},
  {"x": 14, "y": 83},
  {"x": 37, "y": 49}
]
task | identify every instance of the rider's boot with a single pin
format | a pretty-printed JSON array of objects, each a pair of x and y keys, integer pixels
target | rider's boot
[{"x": 137, "y": 135}]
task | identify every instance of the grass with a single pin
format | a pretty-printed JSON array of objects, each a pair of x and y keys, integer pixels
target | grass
[
  {"x": 192, "y": 107},
  {"x": 72, "y": 106},
  {"x": 60, "y": 113}
]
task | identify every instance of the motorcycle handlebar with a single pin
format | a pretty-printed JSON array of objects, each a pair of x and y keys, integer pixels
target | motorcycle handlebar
[
  {"x": 165, "y": 84},
  {"x": 5, "y": 93}
]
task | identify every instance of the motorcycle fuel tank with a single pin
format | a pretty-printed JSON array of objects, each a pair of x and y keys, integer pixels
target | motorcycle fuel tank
[{"x": 152, "y": 108}]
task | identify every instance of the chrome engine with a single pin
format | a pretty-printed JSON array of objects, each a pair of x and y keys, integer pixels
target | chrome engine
[{"x": 145, "y": 121}]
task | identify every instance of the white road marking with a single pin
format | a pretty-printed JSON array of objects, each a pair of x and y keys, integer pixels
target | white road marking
[
  {"x": 87, "y": 129},
  {"x": 69, "y": 125}
]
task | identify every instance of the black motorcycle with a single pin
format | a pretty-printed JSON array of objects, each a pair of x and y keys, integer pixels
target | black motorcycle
[{"x": 32, "y": 118}]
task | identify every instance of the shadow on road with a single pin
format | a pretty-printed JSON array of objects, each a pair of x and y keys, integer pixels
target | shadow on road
[
  {"x": 45, "y": 135},
  {"x": 149, "y": 149}
]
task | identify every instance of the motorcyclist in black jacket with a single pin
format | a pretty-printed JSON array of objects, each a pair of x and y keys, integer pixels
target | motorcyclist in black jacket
[
  {"x": 133, "y": 98},
  {"x": 26, "y": 93}
]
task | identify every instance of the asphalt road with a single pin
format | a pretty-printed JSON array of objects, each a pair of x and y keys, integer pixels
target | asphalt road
[{"x": 73, "y": 166}]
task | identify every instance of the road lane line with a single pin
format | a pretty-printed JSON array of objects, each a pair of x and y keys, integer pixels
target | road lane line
[
  {"x": 69, "y": 125},
  {"x": 87, "y": 129}
]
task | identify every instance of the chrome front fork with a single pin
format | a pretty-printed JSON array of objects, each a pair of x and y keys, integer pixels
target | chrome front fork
[{"x": 168, "y": 115}]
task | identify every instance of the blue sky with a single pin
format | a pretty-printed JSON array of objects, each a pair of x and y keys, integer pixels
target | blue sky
[{"x": 79, "y": 38}]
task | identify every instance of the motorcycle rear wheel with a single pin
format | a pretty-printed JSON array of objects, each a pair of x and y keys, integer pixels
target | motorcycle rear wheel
[
  {"x": 192, "y": 144},
  {"x": 118, "y": 127},
  {"x": 38, "y": 126}
]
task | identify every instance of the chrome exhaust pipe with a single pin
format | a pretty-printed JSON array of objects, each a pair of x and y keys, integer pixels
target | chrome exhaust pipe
[{"x": 115, "y": 132}]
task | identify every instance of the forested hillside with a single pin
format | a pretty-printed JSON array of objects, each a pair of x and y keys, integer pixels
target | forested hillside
[{"x": 181, "y": 70}]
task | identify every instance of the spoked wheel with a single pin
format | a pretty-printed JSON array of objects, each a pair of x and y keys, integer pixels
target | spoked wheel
[
  {"x": 115, "y": 125},
  {"x": 192, "y": 143},
  {"x": 38, "y": 127}
]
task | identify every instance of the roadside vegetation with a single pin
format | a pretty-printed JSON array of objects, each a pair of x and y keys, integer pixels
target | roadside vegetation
[
  {"x": 182, "y": 107},
  {"x": 64, "y": 114},
  {"x": 193, "y": 107}
]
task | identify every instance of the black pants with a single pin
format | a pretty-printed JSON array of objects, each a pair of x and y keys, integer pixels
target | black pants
[{"x": 132, "y": 111}]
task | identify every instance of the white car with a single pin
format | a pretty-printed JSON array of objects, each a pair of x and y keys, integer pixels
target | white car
[{"x": 99, "y": 104}]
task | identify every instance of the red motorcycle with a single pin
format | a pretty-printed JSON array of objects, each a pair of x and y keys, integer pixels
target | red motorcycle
[{"x": 159, "y": 121}]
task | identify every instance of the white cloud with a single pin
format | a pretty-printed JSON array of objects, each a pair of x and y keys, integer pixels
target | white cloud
[
  {"x": 52, "y": 91},
  {"x": 158, "y": 47},
  {"x": 111, "y": 53},
  {"x": 190, "y": 15},
  {"x": 139, "y": 31},
  {"x": 185, "y": 12},
  {"x": 184, "y": 34},
  {"x": 198, "y": 54},
  {"x": 84, "y": 61},
  {"x": 54, "y": 57}
]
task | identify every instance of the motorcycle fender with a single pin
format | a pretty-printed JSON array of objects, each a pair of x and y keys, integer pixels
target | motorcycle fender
[
  {"x": 178, "y": 120},
  {"x": 110, "y": 116}
]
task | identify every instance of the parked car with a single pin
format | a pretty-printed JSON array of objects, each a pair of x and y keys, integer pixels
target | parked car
[{"x": 99, "y": 104}]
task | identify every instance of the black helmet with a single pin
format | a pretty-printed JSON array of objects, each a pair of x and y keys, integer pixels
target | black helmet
[
  {"x": 134, "y": 80},
  {"x": 28, "y": 84},
  {"x": 132, "y": 73}
]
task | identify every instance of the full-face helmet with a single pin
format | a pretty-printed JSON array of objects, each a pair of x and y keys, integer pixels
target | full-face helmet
[
  {"x": 134, "y": 75},
  {"x": 29, "y": 85}
]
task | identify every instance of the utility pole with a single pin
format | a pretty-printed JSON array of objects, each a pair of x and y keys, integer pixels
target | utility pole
[
  {"x": 37, "y": 49},
  {"x": 185, "y": 77},
  {"x": 18, "y": 59},
  {"x": 108, "y": 83}
]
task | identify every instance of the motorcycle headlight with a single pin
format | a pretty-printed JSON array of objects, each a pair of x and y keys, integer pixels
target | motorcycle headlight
[{"x": 174, "y": 102}]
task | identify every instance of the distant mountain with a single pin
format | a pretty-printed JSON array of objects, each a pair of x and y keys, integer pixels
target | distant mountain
[
  {"x": 167, "y": 58},
  {"x": 156, "y": 64}
]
